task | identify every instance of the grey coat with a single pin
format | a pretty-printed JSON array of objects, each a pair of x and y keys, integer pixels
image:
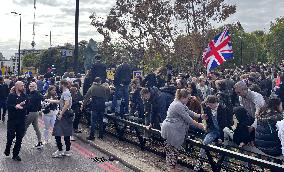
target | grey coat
[
  {"x": 64, "y": 126},
  {"x": 176, "y": 124}
]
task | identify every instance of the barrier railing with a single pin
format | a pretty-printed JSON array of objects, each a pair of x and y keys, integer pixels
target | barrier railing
[{"x": 217, "y": 157}]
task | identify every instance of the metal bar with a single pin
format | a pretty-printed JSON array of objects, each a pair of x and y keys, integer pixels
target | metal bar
[
  {"x": 209, "y": 148},
  {"x": 211, "y": 161}
]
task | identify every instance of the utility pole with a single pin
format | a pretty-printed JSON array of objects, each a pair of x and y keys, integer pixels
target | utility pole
[
  {"x": 76, "y": 51},
  {"x": 19, "y": 50}
]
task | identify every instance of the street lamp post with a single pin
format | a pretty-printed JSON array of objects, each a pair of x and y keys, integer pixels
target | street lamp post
[
  {"x": 19, "y": 50},
  {"x": 76, "y": 51}
]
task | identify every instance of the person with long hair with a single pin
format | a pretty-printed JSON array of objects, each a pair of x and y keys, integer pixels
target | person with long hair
[
  {"x": 266, "y": 135},
  {"x": 50, "y": 110},
  {"x": 176, "y": 125}
]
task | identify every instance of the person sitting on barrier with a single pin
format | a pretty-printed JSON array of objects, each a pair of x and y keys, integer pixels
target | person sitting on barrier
[
  {"x": 136, "y": 101},
  {"x": 176, "y": 125},
  {"x": 266, "y": 135},
  {"x": 154, "y": 105},
  {"x": 252, "y": 101},
  {"x": 168, "y": 94},
  {"x": 218, "y": 119},
  {"x": 239, "y": 132},
  {"x": 122, "y": 79}
]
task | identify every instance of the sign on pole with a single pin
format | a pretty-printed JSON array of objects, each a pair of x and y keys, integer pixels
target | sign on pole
[
  {"x": 110, "y": 73},
  {"x": 66, "y": 53},
  {"x": 137, "y": 73}
]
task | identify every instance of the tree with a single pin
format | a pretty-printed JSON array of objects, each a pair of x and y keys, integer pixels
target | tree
[
  {"x": 140, "y": 24},
  {"x": 275, "y": 40},
  {"x": 31, "y": 60},
  {"x": 198, "y": 15},
  {"x": 151, "y": 27}
]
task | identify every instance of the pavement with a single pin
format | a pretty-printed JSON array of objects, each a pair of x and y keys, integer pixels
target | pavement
[{"x": 34, "y": 160}]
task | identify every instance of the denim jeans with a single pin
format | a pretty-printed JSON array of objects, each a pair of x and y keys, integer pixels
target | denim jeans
[
  {"x": 121, "y": 92},
  {"x": 209, "y": 138},
  {"x": 97, "y": 118}
]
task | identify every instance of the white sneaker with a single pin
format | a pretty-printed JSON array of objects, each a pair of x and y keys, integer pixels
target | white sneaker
[
  {"x": 67, "y": 153},
  {"x": 57, "y": 154},
  {"x": 45, "y": 142},
  {"x": 72, "y": 138}
]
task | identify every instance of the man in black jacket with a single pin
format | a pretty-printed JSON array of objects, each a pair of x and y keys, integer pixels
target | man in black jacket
[
  {"x": 154, "y": 105},
  {"x": 16, "y": 120},
  {"x": 4, "y": 91},
  {"x": 98, "y": 69},
  {"x": 33, "y": 107},
  {"x": 218, "y": 118},
  {"x": 150, "y": 80},
  {"x": 122, "y": 79}
]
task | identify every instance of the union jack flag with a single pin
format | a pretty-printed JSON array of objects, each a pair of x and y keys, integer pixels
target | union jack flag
[{"x": 218, "y": 51}]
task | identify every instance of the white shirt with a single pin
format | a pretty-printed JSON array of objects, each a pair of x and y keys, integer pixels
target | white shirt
[{"x": 252, "y": 102}]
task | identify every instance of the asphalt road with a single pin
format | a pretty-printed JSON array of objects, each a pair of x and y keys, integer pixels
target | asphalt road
[{"x": 34, "y": 160}]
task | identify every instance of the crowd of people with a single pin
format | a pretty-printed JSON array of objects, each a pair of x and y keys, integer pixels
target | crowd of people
[{"x": 243, "y": 104}]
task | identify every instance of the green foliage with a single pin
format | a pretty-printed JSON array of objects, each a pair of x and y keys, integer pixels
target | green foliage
[
  {"x": 150, "y": 27},
  {"x": 31, "y": 60},
  {"x": 275, "y": 40},
  {"x": 52, "y": 56}
]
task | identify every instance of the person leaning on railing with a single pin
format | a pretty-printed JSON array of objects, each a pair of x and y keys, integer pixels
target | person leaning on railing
[
  {"x": 176, "y": 125},
  {"x": 266, "y": 135}
]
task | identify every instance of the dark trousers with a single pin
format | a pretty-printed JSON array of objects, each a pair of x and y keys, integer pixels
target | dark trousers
[
  {"x": 59, "y": 143},
  {"x": 97, "y": 118},
  {"x": 15, "y": 129},
  {"x": 121, "y": 92},
  {"x": 3, "y": 107},
  {"x": 77, "y": 119}
]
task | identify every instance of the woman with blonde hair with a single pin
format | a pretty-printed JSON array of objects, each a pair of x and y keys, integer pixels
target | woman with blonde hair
[{"x": 175, "y": 126}]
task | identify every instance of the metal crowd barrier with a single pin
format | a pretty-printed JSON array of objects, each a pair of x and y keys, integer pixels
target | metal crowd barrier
[{"x": 217, "y": 157}]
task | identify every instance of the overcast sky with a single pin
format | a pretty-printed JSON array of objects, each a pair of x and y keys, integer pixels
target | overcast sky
[{"x": 58, "y": 16}]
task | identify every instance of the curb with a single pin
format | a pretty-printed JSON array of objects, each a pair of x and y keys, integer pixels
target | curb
[{"x": 108, "y": 153}]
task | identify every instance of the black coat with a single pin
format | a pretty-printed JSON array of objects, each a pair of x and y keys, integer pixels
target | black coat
[
  {"x": 99, "y": 70},
  {"x": 266, "y": 136},
  {"x": 34, "y": 101},
  {"x": 137, "y": 103},
  {"x": 281, "y": 93},
  {"x": 150, "y": 81},
  {"x": 13, "y": 113},
  {"x": 4, "y": 92},
  {"x": 154, "y": 107},
  {"x": 160, "y": 82},
  {"x": 75, "y": 101},
  {"x": 224, "y": 118},
  {"x": 123, "y": 75},
  {"x": 87, "y": 84},
  {"x": 266, "y": 87}
]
